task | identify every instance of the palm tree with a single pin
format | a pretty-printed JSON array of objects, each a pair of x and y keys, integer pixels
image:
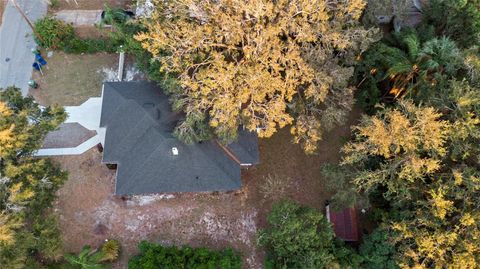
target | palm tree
[
  {"x": 418, "y": 65},
  {"x": 403, "y": 68},
  {"x": 86, "y": 259}
]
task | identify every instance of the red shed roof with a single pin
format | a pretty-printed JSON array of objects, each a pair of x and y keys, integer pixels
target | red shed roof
[{"x": 345, "y": 223}]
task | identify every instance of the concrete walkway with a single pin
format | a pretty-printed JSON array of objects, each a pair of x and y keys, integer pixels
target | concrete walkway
[
  {"x": 80, "y": 17},
  {"x": 88, "y": 115},
  {"x": 16, "y": 42}
]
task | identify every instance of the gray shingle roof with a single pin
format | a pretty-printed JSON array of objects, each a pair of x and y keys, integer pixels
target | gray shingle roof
[{"x": 139, "y": 124}]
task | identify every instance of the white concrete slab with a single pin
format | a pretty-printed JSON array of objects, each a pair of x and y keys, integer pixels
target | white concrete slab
[
  {"x": 88, "y": 115},
  {"x": 80, "y": 17}
]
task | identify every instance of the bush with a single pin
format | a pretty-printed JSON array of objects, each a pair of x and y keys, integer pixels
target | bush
[
  {"x": 115, "y": 16},
  {"x": 153, "y": 256},
  {"x": 55, "y": 33},
  {"x": 61, "y": 36},
  {"x": 78, "y": 46},
  {"x": 110, "y": 250},
  {"x": 54, "y": 3}
]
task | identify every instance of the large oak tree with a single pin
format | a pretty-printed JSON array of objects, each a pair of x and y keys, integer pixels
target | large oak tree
[{"x": 257, "y": 63}]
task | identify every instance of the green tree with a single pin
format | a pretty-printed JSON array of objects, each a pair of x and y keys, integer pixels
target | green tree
[
  {"x": 378, "y": 251},
  {"x": 297, "y": 237},
  {"x": 28, "y": 185},
  {"x": 457, "y": 19},
  {"x": 338, "y": 181}
]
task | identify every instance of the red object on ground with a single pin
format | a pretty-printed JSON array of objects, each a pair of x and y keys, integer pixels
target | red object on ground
[{"x": 345, "y": 223}]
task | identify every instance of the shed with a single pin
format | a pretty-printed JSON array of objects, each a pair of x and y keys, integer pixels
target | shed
[{"x": 345, "y": 223}]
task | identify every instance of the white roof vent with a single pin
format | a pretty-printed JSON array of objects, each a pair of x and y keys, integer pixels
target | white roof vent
[{"x": 174, "y": 151}]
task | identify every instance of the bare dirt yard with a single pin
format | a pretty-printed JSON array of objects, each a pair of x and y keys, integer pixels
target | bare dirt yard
[{"x": 89, "y": 213}]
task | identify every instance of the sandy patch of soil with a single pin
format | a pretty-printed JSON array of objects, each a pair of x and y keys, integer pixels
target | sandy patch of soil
[{"x": 89, "y": 213}]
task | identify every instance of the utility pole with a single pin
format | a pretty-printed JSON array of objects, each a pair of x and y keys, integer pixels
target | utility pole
[{"x": 15, "y": 4}]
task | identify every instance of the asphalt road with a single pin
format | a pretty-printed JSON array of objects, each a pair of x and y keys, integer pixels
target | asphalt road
[{"x": 16, "y": 42}]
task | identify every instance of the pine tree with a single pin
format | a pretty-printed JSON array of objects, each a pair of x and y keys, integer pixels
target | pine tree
[{"x": 27, "y": 185}]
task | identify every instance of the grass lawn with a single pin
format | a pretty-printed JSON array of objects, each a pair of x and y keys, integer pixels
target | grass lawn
[{"x": 70, "y": 79}]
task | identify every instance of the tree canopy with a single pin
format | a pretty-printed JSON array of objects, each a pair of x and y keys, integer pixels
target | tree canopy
[
  {"x": 260, "y": 64},
  {"x": 27, "y": 185},
  {"x": 411, "y": 63},
  {"x": 458, "y": 19},
  {"x": 425, "y": 162},
  {"x": 301, "y": 237}
]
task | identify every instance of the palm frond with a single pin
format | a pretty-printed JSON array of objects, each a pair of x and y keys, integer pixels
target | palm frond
[
  {"x": 399, "y": 68},
  {"x": 412, "y": 43}
]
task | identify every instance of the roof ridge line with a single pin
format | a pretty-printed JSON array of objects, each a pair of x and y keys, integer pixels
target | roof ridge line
[
  {"x": 243, "y": 149},
  {"x": 228, "y": 152}
]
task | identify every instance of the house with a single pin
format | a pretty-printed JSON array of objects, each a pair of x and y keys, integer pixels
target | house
[{"x": 138, "y": 140}]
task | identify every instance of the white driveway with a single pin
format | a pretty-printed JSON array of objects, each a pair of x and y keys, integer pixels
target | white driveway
[{"x": 88, "y": 115}]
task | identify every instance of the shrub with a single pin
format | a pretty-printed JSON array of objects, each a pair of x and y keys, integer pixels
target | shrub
[
  {"x": 61, "y": 36},
  {"x": 77, "y": 46},
  {"x": 115, "y": 16},
  {"x": 55, "y": 33},
  {"x": 54, "y": 3},
  {"x": 153, "y": 256},
  {"x": 274, "y": 186},
  {"x": 110, "y": 250}
]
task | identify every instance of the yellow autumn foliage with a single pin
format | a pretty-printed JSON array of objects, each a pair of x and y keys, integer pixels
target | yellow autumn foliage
[
  {"x": 261, "y": 64},
  {"x": 424, "y": 162},
  {"x": 411, "y": 139},
  {"x": 6, "y": 128}
]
